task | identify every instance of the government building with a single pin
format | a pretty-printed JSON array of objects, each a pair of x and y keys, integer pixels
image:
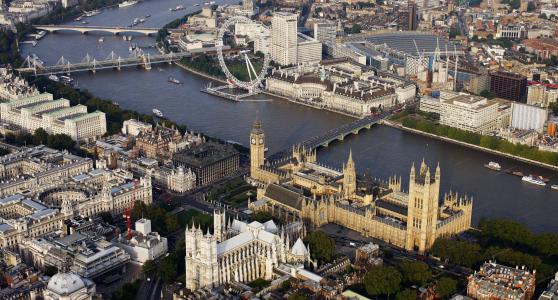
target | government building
[
  {"x": 298, "y": 187},
  {"x": 54, "y": 116},
  {"x": 41, "y": 187}
]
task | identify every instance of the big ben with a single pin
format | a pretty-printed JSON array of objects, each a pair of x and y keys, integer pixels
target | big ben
[{"x": 257, "y": 147}]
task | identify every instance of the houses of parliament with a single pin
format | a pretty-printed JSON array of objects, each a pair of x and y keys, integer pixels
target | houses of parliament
[{"x": 298, "y": 187}]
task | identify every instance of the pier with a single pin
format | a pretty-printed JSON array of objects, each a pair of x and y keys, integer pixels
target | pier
[{"x": 218, "y": 91}]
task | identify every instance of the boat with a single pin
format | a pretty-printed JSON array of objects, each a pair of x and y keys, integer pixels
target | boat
[
  {"x": 40, "y": 35},
  {"x": 67, "y": 80},
  {"x": 517, "y": 173},
  {"x": 533, "y": 180},
  {"x": 127, "y": 3},
  {"x": 101, "y": 39},
  {"x": 174, "y": 80},
  {"x": 78, "y": 18},
  {"x": 493, "y": 166},
  {"x": 92, "y": 13},
  {"x": 84, "y": 22},
  {"x": 129, "y": 38},
  {"x": 142, "y": 20},
  {"x": 197, "y": 4},
  {"x": 115, "y": 103},
  {"x": 158, "y": 113},
  {"x": 124, "y": 37},
  {"x": 54, "y": 78},
  {"x": 179, "y": 7},
  {"x": 206, "y": 3},
  {"x": 554, "y": 187},
  {"x": 212, "y": 2},
  {"x": 147, "y": 16}
]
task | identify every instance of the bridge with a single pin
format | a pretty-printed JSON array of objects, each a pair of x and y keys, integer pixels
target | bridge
[
  {"x": 88, "y": 63},
  {"x": 336, "y": 134},
  {"x": 86, "y": 29}
]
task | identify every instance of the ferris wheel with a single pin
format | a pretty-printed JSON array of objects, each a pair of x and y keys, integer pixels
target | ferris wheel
[{"x": 255, "y": 78}]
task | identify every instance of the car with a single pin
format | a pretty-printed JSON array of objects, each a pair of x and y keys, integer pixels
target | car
[
  {"x": 441, "y": 266},
  {"x": 148, "y": 279}
]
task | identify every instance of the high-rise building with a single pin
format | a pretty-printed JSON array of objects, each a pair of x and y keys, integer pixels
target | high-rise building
[
  {"x": 408, "y": 17},
  {"x": 284, "y": 38},
  {"x": 325, "y": 31},
  {"x": 508, "y": 85}
]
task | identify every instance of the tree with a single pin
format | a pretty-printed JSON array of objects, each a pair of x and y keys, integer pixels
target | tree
[
  {"x": 149, "y": 267},
  {"x": 445, "y": 287},
  {"x": 168, "y": 268},
  {"x": 415, "y": 272},
  {"x": 382, "y": 280},
  {"x": 107, "y": 217},
  {"x": 406, "y": 294},
  {"x": 322, "y": 247},
  {"x": 356, "y": 28},
  {"x": 458, "y": 252},
  {"x": 40, "y": 137}
]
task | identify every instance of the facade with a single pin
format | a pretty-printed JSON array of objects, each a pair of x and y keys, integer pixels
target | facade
[
  {"x": 162, "y": 143},
  {"x": 408, "y": 17},
  {"x": 325, "y": 31},
  {"x": 298, "y": 187},
  {"x": 54, "y": 116},
  {"x": 284, "y": 38},
  {"x": 134, "y": 127},
  {"x": 239, "y": 252},
  {"x": 477, "y": 84},
  {"x": 210, "y": 161},
  {"x": 508, "y": 85},
  {"x": 551, "y": 293},
  {"x": 468, "y": 112},
  {"x": 541, "y": 95},
  {"x": 340, "y": 86},
  {"x": 511, "y": 31},
  {"x": 494, "y": 281},
  {"x": 14, "y": 87},
  {"x": 527, "y": 117},
  {"x": 308, "y": 49}
]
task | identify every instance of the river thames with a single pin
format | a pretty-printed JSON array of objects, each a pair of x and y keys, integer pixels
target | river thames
[{"x": 381, "y": 151}]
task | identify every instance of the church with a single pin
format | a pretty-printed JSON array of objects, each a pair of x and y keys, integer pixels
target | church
[
  {"x": 240, "y": 252},
  {"x": 298, "y": 187}
]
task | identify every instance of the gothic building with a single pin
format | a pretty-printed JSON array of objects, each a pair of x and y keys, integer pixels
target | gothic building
[
  {"x": 240, "y": 252},
  {"x": 299, "y": 187}
]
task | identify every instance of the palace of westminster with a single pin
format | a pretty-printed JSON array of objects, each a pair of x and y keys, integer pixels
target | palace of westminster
[
  {"x": 298, "y": 190},
  {"x": 298, "y": 187}
]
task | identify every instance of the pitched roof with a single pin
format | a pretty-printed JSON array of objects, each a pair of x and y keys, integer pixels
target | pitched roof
[{"x": 284, "y": 196}]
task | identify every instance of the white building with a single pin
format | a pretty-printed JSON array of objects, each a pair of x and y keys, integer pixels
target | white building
[
  {"x": 511, "y": 31},
  {"x": 284, "y": 38},
  {"x": 144, "y": 244},
  {"x": 325, "y": 31},
  {"x": 467, "y": 112},
  {"x": 308, "y": 49},
  {"x": 69, "y": 286},
  {"x": 239, "y": 252},
  {"x": 134, "y": 127},
  {"x": 54, "y": 116},
  {"x": 527, "y": 117},
  {"x": 340, "y": 50}
]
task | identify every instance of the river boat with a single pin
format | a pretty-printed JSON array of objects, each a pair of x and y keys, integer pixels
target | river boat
[
  {"x": 515, "y": 173},
  {"x": 533, "y": 180},
  {"x": 92, "y": 13},
  {"x": 54, "y": 78},
  {"x": 493, "y": 166},
  {"x": 78, "y": 18},
  {"x": 67, "y": 80},
  {"x": 115, "y": 103},
  {"x": 211, "y": 2},
  {"x": 197, "y": 4},
  {"x": 174, "y": 80},
  {"x": 84, "y": 22},
  {"x": 124, "y": 37},
  {"x": 101, "y": 39},
  {"x": 147, "y": 16},
  {"x": 40, "y": 35},
  {"x": 129, "y": 38},
  {"x": 127, "y": 3},
  {"x": 206, "y": 3},
  {"x": 142, "y": 20},
  {"x": 158, "y": 113},
  {"x": 554, "y": 187}
]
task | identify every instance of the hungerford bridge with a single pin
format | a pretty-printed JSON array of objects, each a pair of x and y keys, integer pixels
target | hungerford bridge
[
  {"x": 88, "y": 63},
  {"x": 86, "y": 29},
  {"x": 335, "y": 134}
]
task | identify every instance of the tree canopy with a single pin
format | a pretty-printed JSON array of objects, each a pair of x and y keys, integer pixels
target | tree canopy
[
  {"x": 406, "y": 294},
  {"x": 415, "y": 272},
  {"x": 382, "y": 280},
  {"x": 446, "y": 287},
  {"x": 322, "y": 247}
]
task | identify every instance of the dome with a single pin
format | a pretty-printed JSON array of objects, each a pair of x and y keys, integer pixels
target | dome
[
  {"x": 299, "y": 249},
  {"x": 65, "y": 283}
]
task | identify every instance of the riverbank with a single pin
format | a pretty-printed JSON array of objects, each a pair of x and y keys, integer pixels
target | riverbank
[{"x": 468, "y": 145}]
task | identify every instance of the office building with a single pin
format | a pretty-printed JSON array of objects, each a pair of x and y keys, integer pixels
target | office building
[
  {"x": 144, "y": 244},
  {"x": 284, "y": 39},
  {"x": 551, "y": 293},
  {"x": 494, "y": 281},
  {"x": 541, "y": 95},
  {"x": 325, "y": 31},
  {"x": 508, "y": 85},
  {"x": 408, "y": 20},
  {"x": 308, "y": 50}
]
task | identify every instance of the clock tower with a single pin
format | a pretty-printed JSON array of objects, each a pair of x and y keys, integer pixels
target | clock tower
[{"x": 257, "y": 147}]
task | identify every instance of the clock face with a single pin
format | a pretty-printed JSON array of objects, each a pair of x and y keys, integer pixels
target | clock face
[
  {"x": 253, "y": 141},
  {"x": 261, "y": 141}
]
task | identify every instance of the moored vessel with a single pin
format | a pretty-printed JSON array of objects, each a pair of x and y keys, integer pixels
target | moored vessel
[
  {"x": 127, "y": 3},
  {"x": 174, "y": 80},
  {"x": 554, "y": 187},
  {"x": 158, "y": 113},
  {"x": 533, "y": 180},
  {"x": 493, "y": 166}
]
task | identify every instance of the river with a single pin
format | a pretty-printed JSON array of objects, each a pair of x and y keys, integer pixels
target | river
[{"x": 381, "y": 151}]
